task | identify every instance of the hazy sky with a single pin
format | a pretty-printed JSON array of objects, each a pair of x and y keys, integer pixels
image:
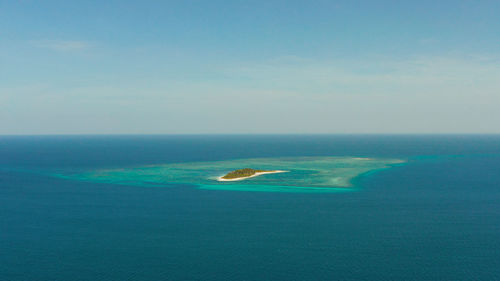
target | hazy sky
[{"x": 249, "y": 67}]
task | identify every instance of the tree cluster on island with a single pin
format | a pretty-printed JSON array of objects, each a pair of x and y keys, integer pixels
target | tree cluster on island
[{"x": 241, "y": 173}]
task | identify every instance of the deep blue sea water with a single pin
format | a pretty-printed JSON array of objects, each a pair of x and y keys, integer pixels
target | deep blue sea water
[{"x": 435, "y": 218}]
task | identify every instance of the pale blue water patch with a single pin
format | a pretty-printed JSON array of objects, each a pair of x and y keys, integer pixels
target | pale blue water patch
[
  {"x": 276, "y": 188},
  {"x": 303, "y": 174}
]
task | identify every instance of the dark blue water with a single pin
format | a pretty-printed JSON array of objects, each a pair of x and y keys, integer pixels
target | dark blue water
[{"x": 435, "y": 218}]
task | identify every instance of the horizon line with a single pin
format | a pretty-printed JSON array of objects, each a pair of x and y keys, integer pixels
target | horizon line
[{"x": 254, "y": 134}]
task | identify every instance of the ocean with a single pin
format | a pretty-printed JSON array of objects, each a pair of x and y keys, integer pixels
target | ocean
[{"x": 436, "y": 217}]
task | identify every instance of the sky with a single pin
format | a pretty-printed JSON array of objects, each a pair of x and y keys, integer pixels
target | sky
[{"x": 249, "y": 67}]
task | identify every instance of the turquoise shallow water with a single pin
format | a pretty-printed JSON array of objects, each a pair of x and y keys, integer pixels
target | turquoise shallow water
[
  {"x": 434, "y": 217},
  {"x": 303, "y": 174}
]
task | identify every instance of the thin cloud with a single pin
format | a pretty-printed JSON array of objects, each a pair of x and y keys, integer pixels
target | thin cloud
[
  {"x": 62, "y": 45},
  {"x": 364, "y": 75}
]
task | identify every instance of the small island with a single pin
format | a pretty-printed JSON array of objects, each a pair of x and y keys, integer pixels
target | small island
[{"x": 246, "y": 173}]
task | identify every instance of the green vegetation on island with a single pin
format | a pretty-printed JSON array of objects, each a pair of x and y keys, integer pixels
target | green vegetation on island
[{"x": 242, "y": 173}]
